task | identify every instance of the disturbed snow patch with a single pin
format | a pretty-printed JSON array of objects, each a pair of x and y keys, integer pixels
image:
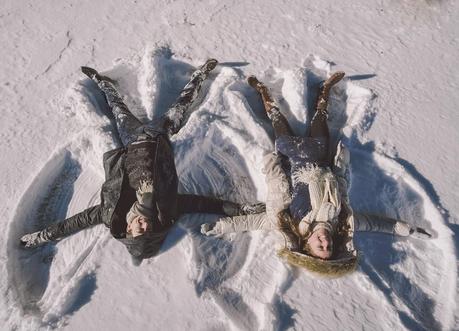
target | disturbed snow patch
[{"x": 219, "y": 153}]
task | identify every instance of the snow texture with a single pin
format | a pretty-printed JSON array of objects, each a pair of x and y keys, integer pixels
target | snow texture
[{"x": 395, "y": 111}]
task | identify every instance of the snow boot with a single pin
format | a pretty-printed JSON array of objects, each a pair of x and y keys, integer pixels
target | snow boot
[
  {"x": 324, "y": 92},
  {"x": 268, "y": 101},
  {"x": 255, "y": 83},
  {"x": 95, "y": 76},
  {"x": 91, "y": 73},
  {"x": 209, "y": 66}
]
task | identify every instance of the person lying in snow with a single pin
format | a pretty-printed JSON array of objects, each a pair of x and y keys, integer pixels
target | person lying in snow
[
  {"x": 139, "y": 199},
  {"x": 310, "y": 206}
]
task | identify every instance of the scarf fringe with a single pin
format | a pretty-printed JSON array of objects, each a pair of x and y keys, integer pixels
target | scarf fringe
[{"x": 311, "y": 173}]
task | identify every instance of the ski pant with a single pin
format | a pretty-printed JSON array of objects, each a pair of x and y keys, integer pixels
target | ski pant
[
  {"x": 131, "y": 129},
  {"x": 319, "y": 126}
]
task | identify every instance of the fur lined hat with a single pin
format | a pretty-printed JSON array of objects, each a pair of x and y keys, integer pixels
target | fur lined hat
[
  {"x": 328, "y": 268},
  {"x": 344, "y": 259}
]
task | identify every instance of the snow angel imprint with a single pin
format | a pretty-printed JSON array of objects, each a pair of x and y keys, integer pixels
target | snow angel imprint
[
  {"x": 139, "y": 199},
  {"x": 308, "y": 198}
]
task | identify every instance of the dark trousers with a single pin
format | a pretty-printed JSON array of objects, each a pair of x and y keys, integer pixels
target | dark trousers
[
  {"x": 130, "y": 128},
  {"x": 319, "y": 126}
]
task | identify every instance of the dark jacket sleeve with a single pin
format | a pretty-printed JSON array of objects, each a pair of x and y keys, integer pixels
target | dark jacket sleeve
[
  {"x": 165, "y": 183},
  {"x": 374, "y": 223},
  {"x": 71, "y": 225},
  {"x": 189, "y": 203}
]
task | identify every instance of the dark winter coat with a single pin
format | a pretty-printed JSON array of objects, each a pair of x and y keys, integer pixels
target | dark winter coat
[{"x": 118, "y": 195}]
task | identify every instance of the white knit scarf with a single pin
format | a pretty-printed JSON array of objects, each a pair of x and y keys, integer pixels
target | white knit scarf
[{"x": 324, "y": 195}]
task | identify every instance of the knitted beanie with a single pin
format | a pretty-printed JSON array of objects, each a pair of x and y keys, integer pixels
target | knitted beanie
[{"x": 145, "y": 204}]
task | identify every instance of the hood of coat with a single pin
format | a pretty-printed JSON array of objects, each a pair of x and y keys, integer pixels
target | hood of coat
[{"x": 144, "y": 246}]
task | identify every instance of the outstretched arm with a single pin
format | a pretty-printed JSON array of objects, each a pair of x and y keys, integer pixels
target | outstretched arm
[
  {"x": 377, "y": 223},
  {"x": 189, "y": 203},
  {"x": 278, "y": 199},
  {"x": 238, "y": 224},
  {"x": 71, "y": 225}
]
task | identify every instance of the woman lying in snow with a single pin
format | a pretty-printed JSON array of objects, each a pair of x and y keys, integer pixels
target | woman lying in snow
[
  {"x": 139, "y": 200},
  {"x": 316, "y": 217}
]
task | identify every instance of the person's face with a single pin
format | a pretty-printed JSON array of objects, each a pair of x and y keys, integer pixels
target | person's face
[
  {"x": 321, "y": 244},
  {"x": 138, "y": 226}
]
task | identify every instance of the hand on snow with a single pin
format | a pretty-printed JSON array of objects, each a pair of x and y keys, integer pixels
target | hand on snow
[
  {"x": 234, "y": 209},
  {"x": 32, "y": 240},
  {"x": 209, "y": 229},
  {"x": 404, "y": 229},
  {"x": 256, "y": 208}
]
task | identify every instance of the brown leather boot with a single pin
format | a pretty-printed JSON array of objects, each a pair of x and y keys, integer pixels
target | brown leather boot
[
  {"x": 279, "y": 122},
  {"x": 324, "y": 91},
  {"x": 261, "y": 88},
  {"x": 254, "y": 82}
]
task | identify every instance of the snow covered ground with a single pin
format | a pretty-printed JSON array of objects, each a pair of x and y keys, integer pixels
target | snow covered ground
[{"x": 396, "y": 109}]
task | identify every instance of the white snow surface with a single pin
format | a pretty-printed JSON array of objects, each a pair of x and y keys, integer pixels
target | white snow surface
[{"x": 396, "y": 111}]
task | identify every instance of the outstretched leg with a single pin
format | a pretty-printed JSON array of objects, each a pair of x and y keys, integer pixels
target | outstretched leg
[
  {"x": 319, "y": 127},
  {"x": 172, "y": 120},
  {"x": 126, "y": 122},
  {"x": 279, "y": 122}
]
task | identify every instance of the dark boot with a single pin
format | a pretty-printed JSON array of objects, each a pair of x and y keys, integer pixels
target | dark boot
[
  {"x": 95, "y": 76},
  {"x": 268, "y": 101},
  {"x": 208, "y": 66},
  {"x": 173, "y": 119},
  {"x": 91, "y": 73},
  {"x": 324, "y": 91},
  {"x": 253, "y": 81},
  {"x": 278, "y": 121}
]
